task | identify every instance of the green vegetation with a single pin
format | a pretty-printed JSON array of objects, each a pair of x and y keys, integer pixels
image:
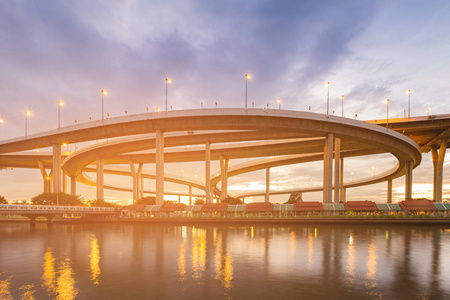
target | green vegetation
[
  {"x": 3, "y": 200},
  {"x": 100, "y": 203},
  {"x": 57, "y": 198},
  {"x": 232, "y": 200},
  {"x": 150, "y": 200},
  {"x": 199, "y": 201}
]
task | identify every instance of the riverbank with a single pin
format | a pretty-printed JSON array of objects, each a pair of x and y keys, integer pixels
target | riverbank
[{"x": 241, "y": 221}]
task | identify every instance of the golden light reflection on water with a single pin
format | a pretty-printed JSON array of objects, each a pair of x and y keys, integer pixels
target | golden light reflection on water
[
  {"x": 5, "y": 287},
  {"x": 27, "y": 292},
  {"x": 198, "y": 257},
  {"x": 224, "y": 266},
  {"x": 182, "y": 262},
  {"x": 371, "y": 273},
  {"x": 65, "y": 284},
  {"x": 49, "y": 275},
  {"x": 310, "y": 250},
  {"x": 350, "y": 261},
  {"x": 292, "y": 247},
  {"x": 95, "y": 260}
]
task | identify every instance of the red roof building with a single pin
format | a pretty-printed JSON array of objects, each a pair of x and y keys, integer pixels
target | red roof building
[
  {"x": 259, "y": 207},
  {"x": 308, "y": 206},
  {"x": 214, "y": 207},
  {"x": 417, "y": 205},
  {"x": 135, "y": 207},
  {"x": 361, "y": 205},
  {"x": 172, "y": 207}
]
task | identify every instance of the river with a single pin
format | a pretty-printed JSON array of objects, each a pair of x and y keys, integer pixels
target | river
[{"x": 160, "y": 261}]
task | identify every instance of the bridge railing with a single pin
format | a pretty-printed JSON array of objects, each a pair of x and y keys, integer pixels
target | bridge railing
[{"x": 52, "y": 208}]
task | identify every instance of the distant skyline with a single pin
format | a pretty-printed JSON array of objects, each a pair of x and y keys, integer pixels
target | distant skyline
[{"x": 369, "y": 51}]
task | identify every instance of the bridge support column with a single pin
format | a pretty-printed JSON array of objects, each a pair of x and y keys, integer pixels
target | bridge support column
[
  {"x": 100, "y": 179},
  {"x": 64, "y": 180},
  {"x": 45, "y": 177},
  {"x": 56, "y": 168},
  {"x": 142, "y": 187},
  {"x": 159, "y": 167},
  {"x": 73, "y": 185},
  {"x": 341, "y": 184},
  {"x": 136, "y": 176},
  {"x": 344, "y": 195},
  {"x": 208, "y": 198},
  {"x": 190, "y": 195},
  {"x": 438, "y": 169},
  {"x": 337, "y": 169},
  {"x": 224, "y": 172},
  {"x": 389, "y": 191},
  {"x": 328, "y": 169},
  {"x": 267, "y": 195},
  {"x": 408, "y": 180}
]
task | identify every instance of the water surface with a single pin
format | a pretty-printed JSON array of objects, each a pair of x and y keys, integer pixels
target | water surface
[{"x": 148, "y": 261}]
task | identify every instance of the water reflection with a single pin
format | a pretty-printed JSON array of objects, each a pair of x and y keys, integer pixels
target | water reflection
[
  {"x": 216, "y": 262},
  {"x": 95, "y": 260}
]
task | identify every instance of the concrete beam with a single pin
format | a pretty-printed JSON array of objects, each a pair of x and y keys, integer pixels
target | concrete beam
[
  {"x": 267, "y": 196},
  {"x": 408, "y": 180},
  {"x": 328, "y": 169},
  {"x": 438, "y": 169},
  {"x": 337, "y": 169},
  {"x": 56, "y": 168},
  {"x": 159, "y": 167},
  {"x": 100, "y": 179},
  {"x": 389, "y": 191},
  {"x": 208, "y": 198}
]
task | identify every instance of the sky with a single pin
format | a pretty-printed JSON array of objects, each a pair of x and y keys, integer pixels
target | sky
[{"x": 368, "y": 51}]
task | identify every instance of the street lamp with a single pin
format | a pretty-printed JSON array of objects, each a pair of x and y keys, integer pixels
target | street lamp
[
  {"x": 342, "y": 100},
  {"x": 247, "y": 77},
  {"x": 328, "y": 97},
  {"x": 387, "y": 112},
  {"x": 60, "y": 103},
  {"x": 428, "y": 111},
  {"x": 27, "y": 113},
  {"x": 409, "y": 104},
  {"x": 167, "y": 82},
  {"x": 103, "y": 93},
  {"x": 279, "y": 103}
]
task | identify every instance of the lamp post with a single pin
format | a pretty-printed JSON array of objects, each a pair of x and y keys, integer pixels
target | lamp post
[
  {"x": 279, "y": 104},
  {"x": 27, "y": 113},
  {"x": 387, "y": 112},
  {"x": 60, "y": 103},
  {"x": 342, "y": 100},
  {"x": 328, "y": 97},
  {"x": 167, "y": 82},
  {"x": 428, "y": 111},
  {"x": 247, "y": 77},
  {"x": 409, "y": 104},
  {"x": 103, "y": 93}
]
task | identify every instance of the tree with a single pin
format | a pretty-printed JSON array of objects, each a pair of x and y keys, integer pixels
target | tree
[
  {"x": 232, "y": 200},
  {"x": 199, "y": 201},
  {"x": 295, "y": 197},
  {"x": 100, "y": 203},
  {"x": 3, "y": 200},
  {"x": 150, "y": 200},
  {"x": 54, "y": 199}
]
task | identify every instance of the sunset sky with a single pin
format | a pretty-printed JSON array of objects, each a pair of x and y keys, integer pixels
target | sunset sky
[{"x": 367, "y": 50}]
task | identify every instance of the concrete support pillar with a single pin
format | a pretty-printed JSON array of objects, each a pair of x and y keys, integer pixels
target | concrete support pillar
[
  {"x": 159, "y": 167},
  {"x": 142, "y": 186},
  {"x": 328, "y": 169},
  {"x": 73, "y": 185},
  {"x": 208, "y": 197},
  {"x": 341, "y": 184},
  {"x": 190, "y": 195},
  {"x": 100, "y": 179},
  {"x": 64, "y": 178},
  {"x": 50, "y": 181},
  {"x": 56, "y": 168},
  {"x": 179, "y": 198},
  {"x": 389, "y": 191},
  {"x": 45, "y": 177},
  {"x": 134, "y": 180},
  {"x": 438, "y": 169},
  {"x": 267, "y": 196},
  {"x": 224, "y": 173},
  {"x": 344, "y": 195},
  {"x": 337, "y": 169},
  {"x": 408, "y": 180},
  {"x": 138, "y": 181}
]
